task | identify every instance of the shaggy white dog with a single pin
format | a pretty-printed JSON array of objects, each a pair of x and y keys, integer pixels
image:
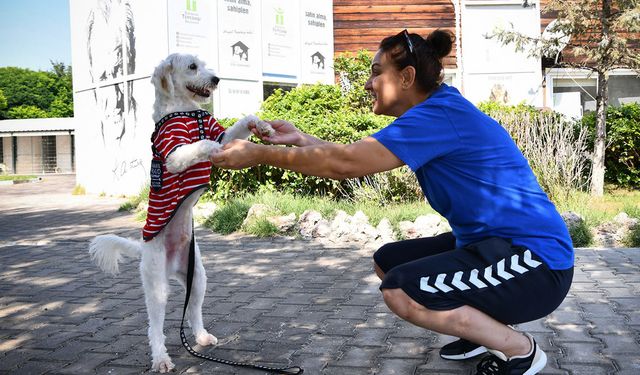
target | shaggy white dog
[{"x": 181, "y": 83}]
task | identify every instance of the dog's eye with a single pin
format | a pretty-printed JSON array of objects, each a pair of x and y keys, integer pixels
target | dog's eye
[{"x": 193, "y": 67}]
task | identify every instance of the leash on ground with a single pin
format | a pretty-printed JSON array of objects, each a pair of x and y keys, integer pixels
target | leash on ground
[{"x": 276, "y": 370}]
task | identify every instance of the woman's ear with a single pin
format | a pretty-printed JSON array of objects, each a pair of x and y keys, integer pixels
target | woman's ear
[{"x": 408, "y": 76}]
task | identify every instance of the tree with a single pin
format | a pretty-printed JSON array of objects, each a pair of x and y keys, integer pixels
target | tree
[
  {"x": 26, "y": 87},
  {"x": 26, "y": 112},
  {"x": 3, "y": 101},
  {"x": 50, "y": 92},
  {"x": 603, "y": 37}
]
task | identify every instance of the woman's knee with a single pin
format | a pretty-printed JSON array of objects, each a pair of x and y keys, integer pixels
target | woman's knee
[
  {"x": 402, "y": 305},
  {"x": 380, "y": 257}
]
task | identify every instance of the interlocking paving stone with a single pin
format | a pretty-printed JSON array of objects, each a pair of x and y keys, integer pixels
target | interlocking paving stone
[{"x": 279, "y": 301}]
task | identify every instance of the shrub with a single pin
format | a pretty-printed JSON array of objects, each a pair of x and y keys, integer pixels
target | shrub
[
  {"x": 329, "y": 112},
  {"x": 622, "y": 156},
  {"x": 228, "y": 218},
  {"x": 556, "y": 151},
  {"x": 261, "y": 227},
  {"x": 632, "y": 238},
  {"x": 581, "y": 235},
  {"x": 135, "y": 201}
]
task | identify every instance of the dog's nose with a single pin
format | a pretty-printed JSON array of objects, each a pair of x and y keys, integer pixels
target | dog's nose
[{"x": 215, "y": 80}]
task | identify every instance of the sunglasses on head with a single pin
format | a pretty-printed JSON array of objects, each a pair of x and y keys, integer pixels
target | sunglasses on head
[{"x": 410, "y": 46}]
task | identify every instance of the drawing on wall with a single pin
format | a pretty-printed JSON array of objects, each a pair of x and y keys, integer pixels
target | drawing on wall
[
  {"x": 241, "y": 50},
  {"x": 111, "y": 39}
]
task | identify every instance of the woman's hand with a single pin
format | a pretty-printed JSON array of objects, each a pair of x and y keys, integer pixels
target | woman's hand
[
  {"x": 237, "y": 154},
  {"x": 285, "y": 133}
]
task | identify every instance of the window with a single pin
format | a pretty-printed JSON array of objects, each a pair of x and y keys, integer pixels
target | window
[
  {"x": 270, "y": 87},
  {"x": 49, "y": 162}
]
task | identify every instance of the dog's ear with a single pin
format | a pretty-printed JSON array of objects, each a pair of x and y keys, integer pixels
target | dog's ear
[{"x": 161, "y": 78}]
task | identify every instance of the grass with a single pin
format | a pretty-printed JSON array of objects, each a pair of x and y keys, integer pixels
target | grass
[
  {"x": 134, "y": 201},
  {"x": 597, "y": 210},
  {"x": 17, "y": 177},
  {"x": 78, "y": 190}
]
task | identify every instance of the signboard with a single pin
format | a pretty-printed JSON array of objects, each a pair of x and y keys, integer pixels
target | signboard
[
  {"x": 192, "y": 29},
  {"x": 237, "y": 98},
  {"x": 239, "y": 48},
  {"x": 316, "y": 42},
  {"x": 494, "y": 67},
  {"x": 280, "y": 40}
]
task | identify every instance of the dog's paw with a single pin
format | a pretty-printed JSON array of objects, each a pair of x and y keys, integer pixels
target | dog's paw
[
  {"x": 209, "y": 148},
  {"x": 174, "y": 164},
  {"x": 206, "y": 339},
  {"x": 265, "y": 128},
  {"x": 162, "y": 365}
]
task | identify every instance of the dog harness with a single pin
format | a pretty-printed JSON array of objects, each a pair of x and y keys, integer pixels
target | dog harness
[{"x": 168, "y": 190}]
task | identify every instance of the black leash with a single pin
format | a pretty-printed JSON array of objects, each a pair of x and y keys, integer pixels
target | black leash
[{"x": 277, "y": 370}]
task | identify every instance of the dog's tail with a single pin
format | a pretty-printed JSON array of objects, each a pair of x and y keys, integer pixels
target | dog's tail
[{"x": 107, "y": 251}]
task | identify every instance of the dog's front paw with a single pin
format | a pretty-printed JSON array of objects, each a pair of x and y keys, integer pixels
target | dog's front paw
[
  {"x": 174, "y": 164},
  {"x": 162, "y": 365},
  {"x": 206, "y": 339},
  {"x": 265, "y": 128}
]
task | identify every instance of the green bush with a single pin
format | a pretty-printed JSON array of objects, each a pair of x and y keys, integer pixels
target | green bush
[
  {"x": 622, "y": 156},
  {"x": 329, "y": 112},
  {"x": 228, "y": 218},
  {"x": 581, "y": 235},
  {"x": 633, "y": 237},
  {"x": 261, "y": 227}
]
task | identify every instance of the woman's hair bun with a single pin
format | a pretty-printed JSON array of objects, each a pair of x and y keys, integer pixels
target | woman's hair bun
[{"x": 441, "y": 42}]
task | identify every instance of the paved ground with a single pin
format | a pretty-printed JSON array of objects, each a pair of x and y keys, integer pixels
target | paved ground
[{"x": 274, "y": 301}]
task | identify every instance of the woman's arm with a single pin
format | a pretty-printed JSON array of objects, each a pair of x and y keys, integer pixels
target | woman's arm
[
  {"x": 330, "y": 160},
  {"x": 287, "y": 134}
]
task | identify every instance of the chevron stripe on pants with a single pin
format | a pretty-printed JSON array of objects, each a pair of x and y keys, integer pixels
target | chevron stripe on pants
[{"x": 509, "y": 283}]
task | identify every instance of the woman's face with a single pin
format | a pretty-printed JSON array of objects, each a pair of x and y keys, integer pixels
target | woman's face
[{"x": 385, "y": 86}]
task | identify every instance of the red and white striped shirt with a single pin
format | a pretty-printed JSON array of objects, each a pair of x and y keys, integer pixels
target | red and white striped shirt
[{"x": 168, "y": 190}]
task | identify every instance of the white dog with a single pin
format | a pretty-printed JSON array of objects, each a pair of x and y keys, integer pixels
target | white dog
[{"x": 184, "y": 139}]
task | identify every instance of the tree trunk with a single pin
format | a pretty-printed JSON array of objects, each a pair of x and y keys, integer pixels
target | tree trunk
[{"x": 600, "y": 141}]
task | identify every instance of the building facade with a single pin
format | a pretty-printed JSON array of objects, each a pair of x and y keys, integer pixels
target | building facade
[
  {"x": 256, "y": 46},
  {"x": 37, "y": 146}
]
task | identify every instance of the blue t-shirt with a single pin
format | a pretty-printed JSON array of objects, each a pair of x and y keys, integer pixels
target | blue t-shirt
[{"x": 474, "y": 175}]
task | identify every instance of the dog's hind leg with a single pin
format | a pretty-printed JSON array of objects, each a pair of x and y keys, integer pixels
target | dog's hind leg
[
  {"x": 194, "y": 309},
  {"x": 156, "y": 292}
]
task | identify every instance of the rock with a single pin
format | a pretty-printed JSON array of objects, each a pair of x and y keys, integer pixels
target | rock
[
  {"x": 204, "y": 210},
  {"x": 385, "y": 231},
  {"x": 613, "y": 233},
  {"x": 307, "y": 222},
  {"x": 571, "y": 219},
  {"x": 256, "y": 211},
  {"x": 427, "y": 225},
  {"x": 283, "y": 223},
  {"x": 322, "y": 229}
]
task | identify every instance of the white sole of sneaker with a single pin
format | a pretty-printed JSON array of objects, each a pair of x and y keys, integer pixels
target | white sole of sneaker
[
  {"x": 460, "y": 357},
  {"x": 538, "y": 366}
]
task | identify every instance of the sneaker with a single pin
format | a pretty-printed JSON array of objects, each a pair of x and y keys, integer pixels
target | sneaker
[
  {"x": 528, "y": 364},
  {"x": 461, "y": 349}
]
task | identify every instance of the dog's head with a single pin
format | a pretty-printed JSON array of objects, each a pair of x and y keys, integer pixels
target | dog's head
[{"x": 182, "y": 76}]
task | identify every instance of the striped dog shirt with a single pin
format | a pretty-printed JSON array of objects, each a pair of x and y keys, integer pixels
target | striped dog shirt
[{"x": 168, "y": 190}]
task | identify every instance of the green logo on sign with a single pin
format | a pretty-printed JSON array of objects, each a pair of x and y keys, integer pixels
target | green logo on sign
[
  {"x": 279, "y": 16},
  {"x": 192, "y": 6}
]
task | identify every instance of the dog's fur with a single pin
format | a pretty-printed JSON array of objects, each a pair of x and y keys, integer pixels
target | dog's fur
[{"x": 181, "y": 83}]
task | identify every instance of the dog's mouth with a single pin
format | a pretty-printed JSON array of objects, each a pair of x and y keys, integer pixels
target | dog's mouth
[{"x": 200, "y": 91}]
